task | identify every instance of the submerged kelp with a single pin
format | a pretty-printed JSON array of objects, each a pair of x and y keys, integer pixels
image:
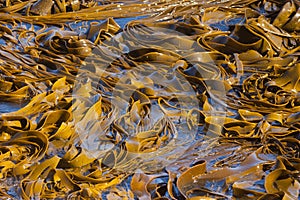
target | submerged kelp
[{"x": 239, "y": 59}]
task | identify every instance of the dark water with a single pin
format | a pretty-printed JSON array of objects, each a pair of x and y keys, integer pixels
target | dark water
[
  {"x": 123, "y": 21},
  {"x": 7, "y": 107}
]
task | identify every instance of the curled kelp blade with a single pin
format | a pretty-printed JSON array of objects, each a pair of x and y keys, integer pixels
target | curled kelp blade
[{"x": 195, "y": 177}]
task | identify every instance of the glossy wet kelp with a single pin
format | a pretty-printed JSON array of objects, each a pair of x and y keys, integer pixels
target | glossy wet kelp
[{"x": 250, "y": 152}]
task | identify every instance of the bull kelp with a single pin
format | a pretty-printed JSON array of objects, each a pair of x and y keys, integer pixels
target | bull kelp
[{"x": 150, "y": 99}]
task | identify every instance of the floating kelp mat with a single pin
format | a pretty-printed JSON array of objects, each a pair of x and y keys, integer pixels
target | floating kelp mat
[{"x": 150, "y": 99}]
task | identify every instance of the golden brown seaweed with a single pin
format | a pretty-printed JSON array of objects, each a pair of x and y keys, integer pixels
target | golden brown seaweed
[{"x": 251, "y": 52}]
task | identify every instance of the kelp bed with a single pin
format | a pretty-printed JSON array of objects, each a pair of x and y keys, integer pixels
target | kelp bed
[{"x": 239, "y": 60}]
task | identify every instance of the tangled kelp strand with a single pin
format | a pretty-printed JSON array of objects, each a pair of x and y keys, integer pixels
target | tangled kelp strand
[{"x": 247, "y": 139}]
